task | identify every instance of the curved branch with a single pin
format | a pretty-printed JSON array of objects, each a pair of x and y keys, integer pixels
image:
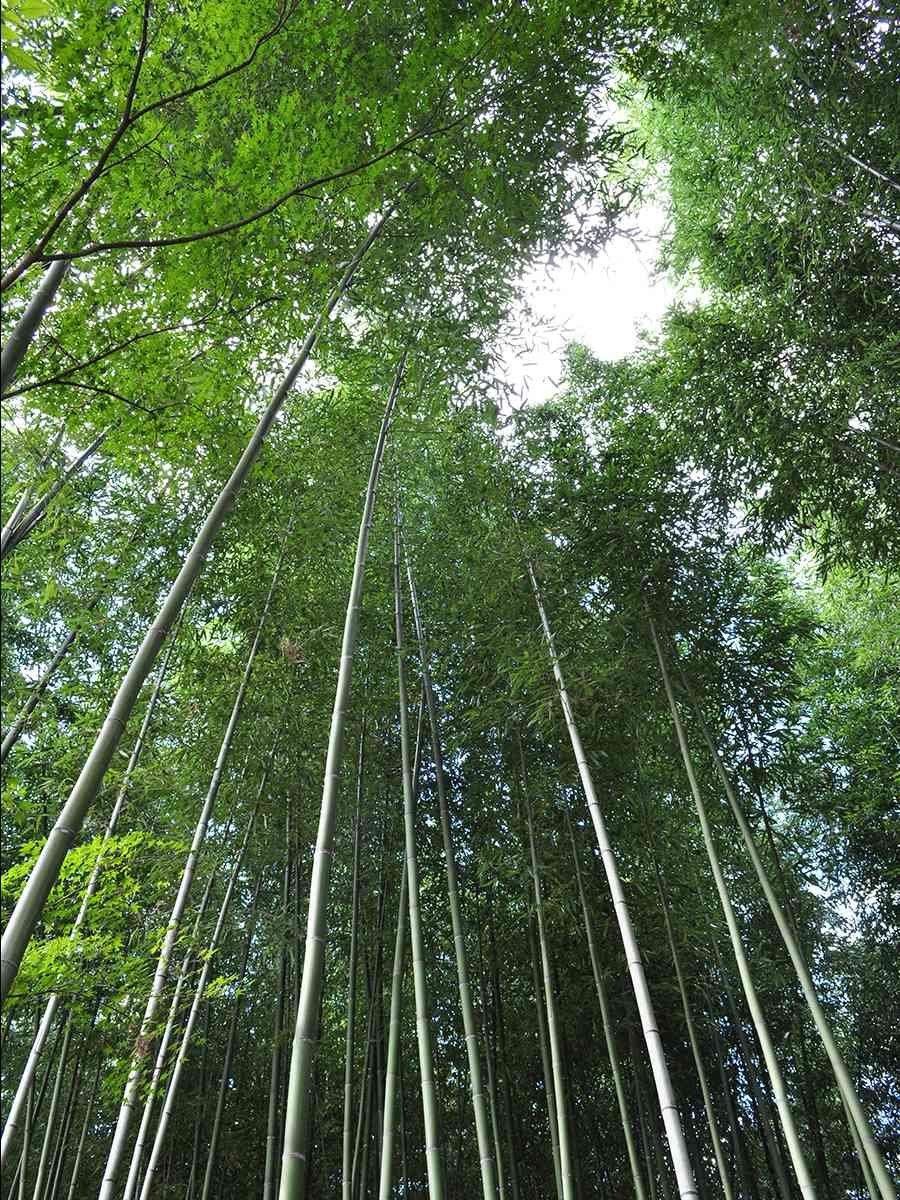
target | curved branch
[{"x": 230, "y": 226}]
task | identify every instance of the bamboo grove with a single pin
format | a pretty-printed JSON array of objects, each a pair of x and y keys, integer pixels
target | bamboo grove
[{"x": 406, "y": 791}]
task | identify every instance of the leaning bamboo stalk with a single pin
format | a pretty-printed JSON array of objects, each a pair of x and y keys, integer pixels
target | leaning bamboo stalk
[
  {"x": 546, "y": 1065},
  {"x": 851, "y": 1102},
  {"x": 719, "y": 1153},
  {"x": 212, "y": 1152},
  {"x": 25, "y": 328},
  {"x": 14, "y": 1116},
  {"x": 162, "y": 1049},
  {"x": 684, "y": 1174},
  {"x": 566, "y": 1169},
  {"x": 470, "y": 1028},
  {"x": 82, "y": 1137},
  {"x": 31, "y": 903},
  {"x": 25, "y": 499},
  {"x": 27, "y": 523},
  {"x": 605, "y": 1016},
  {"x": 129, "y": 1099},
  {"x": 271, "y": 1161},
  {"x": 149, "y": 1182},
  {"x": 22, "y": 717},
  {"x": 50, "y": 1124},
  {"x": 298, "y": 1109},
  {"x": 782, "y": 1103}
]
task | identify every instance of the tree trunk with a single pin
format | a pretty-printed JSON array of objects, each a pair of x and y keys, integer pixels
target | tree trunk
[
  {"x": 566, "y": 1170},
  {"x": 296, "y": 1131},
  {"x": 30, "y": 905},
  {"x": 212, "y": 1152},
  {"x": 347, "y": 1155},
  {"x": 392, "y": 1073},
  {"x": 147, "y": 1188},
  {"x": 546, "y": 1066},
  {"x": 842, "y": 1076},
  {"x": 695, "y": 1051}
]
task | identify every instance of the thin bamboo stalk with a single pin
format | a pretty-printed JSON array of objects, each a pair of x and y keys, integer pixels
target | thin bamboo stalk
[
  {"x": 470, "y": 1028},
  {"x": 392, "y": 1072},
  {"x": 149, "y": 1181},
  {"x": 609, "y": 1037},
  {"x": 566, "y": 1170},
  {"x": 14, "y": 1116},
  {"x": 82, "y": 1137},
  {"x": 25, "y": 328},
  {"x": 347, "y": 1145},
  {"x": 270, "y": 1169},
  {"x": 212, "y": 1152},
  {"x": 795, "y": 1149},
  {"x": 724, "y": 1177},
  {"x": 684, "y": 1174},
  {"x": 297, "y": 1117},
  {"x": 546, "y": 1065},
  {"x": 129, "y": 1100},
  {"x": 434, "y": 1166},
  {"x": 852, "y": 1105}
]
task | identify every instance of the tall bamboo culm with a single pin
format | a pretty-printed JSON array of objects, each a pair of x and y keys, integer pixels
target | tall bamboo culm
[
  {"x": 856, "y": 1117},
  {"x": 109, "y": 1186},
  {"x": 294, "y": 1162},
  {"x": 430, "y": 1112},
  {"x": 782, "y": 1103},
  {"x": 17, "y": 1106},
  {"x": 684, "y": 1174},
  {"x": 470, "y": 1028}
]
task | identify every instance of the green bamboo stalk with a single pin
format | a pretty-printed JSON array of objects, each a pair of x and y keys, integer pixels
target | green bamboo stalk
[
  {"x": 212, "y": 1152},
  {"x": 50, "y": 1124},
  {"x": 852, "y": 1105},
  {"x": 684, "y": 1174},
  {"x": 470, "y": 1028},
  {"x": 434, "y": 1166},
  {"x": 724, "y": 1178},
  {"x": 347, "y": 1153},
  {"x": 271, "y": 1163},
  {"x": 25, "y": 328},
  {"x": 116, "y": 1157},
  {"x": 566, "y": 1169},
  {"x": 149, "y": 1183},
  {"x": 30, "y": 905},
  {"x": 546, "y": 1066},
  {"x": 297, "y": 1117},
  {"x": 782, "y": 1103},
  {"x": 82, "y": 1138},
  {"x": 14, "y": 1116},
  {"x": 162, "y": 1049},
  {"x": 25, "y": 499},
  {"x": 606, "y": 1018},
  {"x": 36, "y": 514},
  {"x": 392, "y": 1072}
]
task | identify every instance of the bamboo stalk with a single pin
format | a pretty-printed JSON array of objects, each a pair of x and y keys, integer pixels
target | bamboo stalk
[
  {"x": 470, "y": 1030},
  {"x": 684, "y": 1174},
  {"x": 851, "y": 1102},
  {"x": 434, "y": 1166},
  {"x": 297, "y": 1117},
  {"x": 782, "y": 1103}
]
